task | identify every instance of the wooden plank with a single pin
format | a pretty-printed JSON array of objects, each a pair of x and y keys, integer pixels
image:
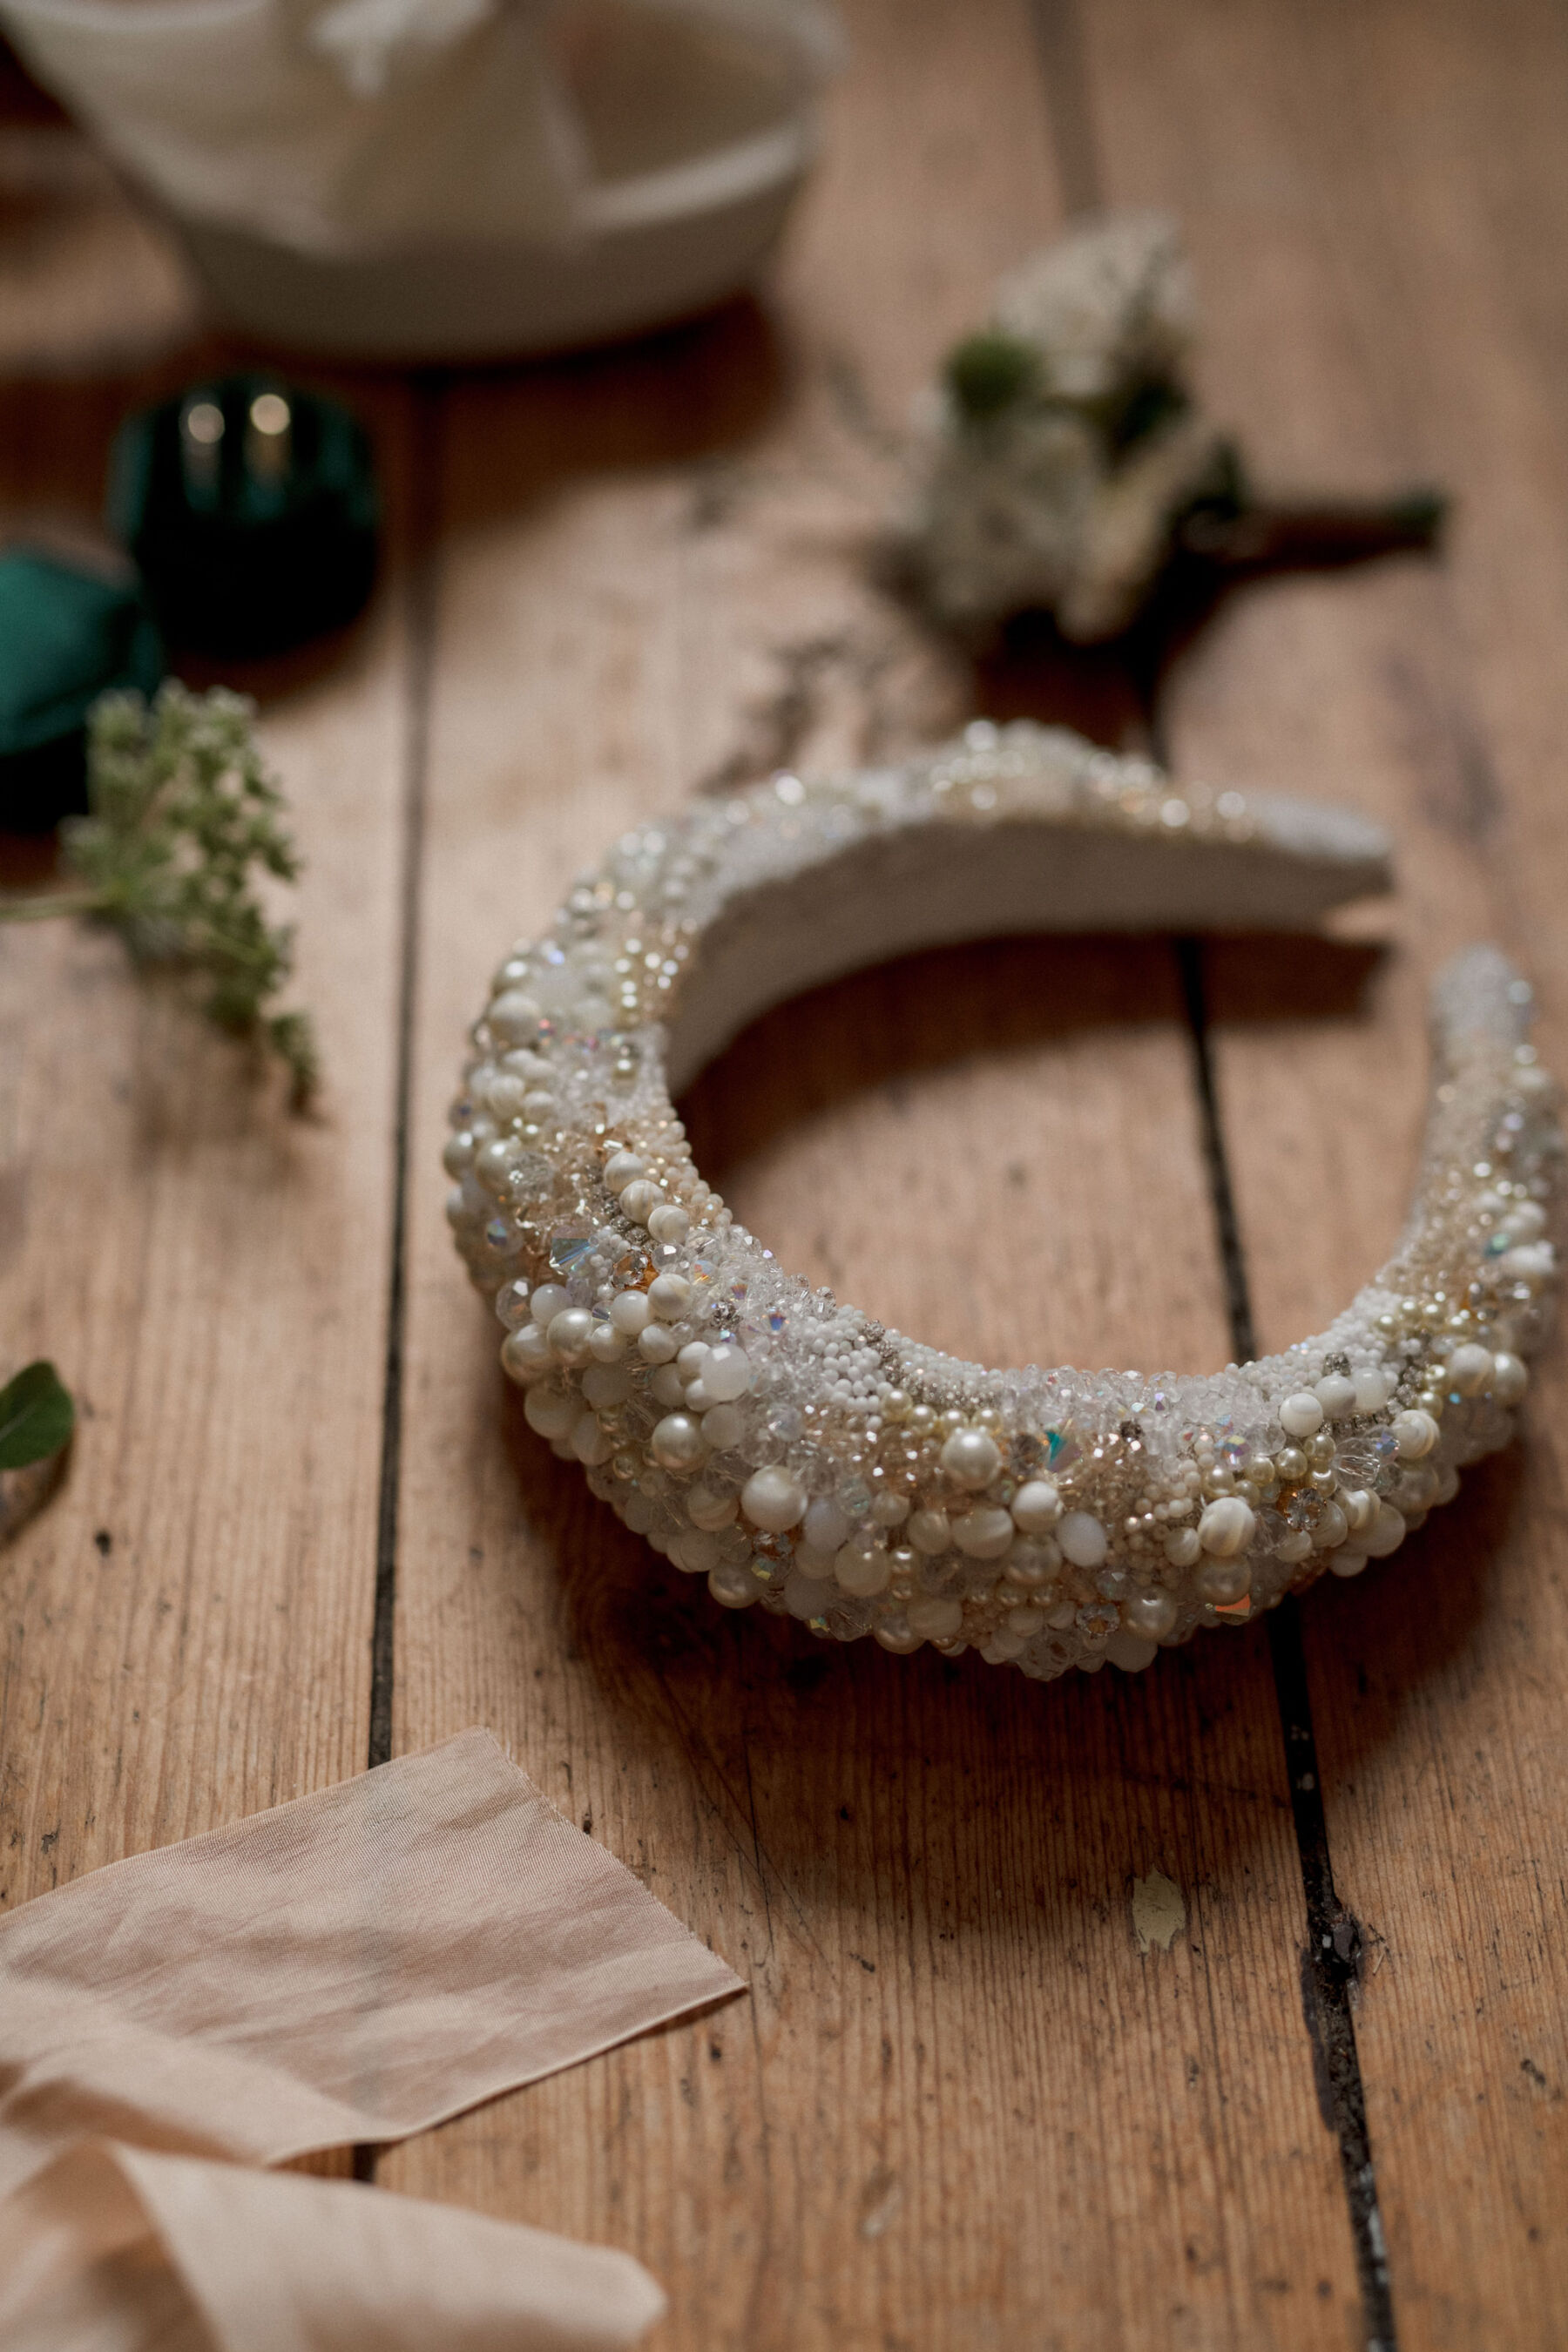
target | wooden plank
[
  {"x": 961, "y": 2106},
  {"x": 186, "y": 1627},
  {"x": 1378, "y": 201}
]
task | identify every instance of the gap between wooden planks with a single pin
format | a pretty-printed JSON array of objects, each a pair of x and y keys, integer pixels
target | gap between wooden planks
[
  {"x": 962, "y": 2106},
  {"x": 1377, "y": 204}
]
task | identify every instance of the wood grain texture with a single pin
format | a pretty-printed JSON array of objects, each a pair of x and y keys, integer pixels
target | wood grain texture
[
  {"x": 962, "y": 2106},
  {"x": 186, "y": 1627},
  {"x": 1378, "y": 205}
]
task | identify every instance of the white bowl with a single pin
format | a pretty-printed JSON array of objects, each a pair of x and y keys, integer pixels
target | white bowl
[{"x": 689, "y": 132}]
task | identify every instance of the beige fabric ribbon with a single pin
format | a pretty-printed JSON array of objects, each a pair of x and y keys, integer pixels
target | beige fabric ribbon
[{"x": 355, "y": 1966}]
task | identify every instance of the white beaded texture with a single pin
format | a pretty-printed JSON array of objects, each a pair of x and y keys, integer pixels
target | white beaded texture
[{"x": 797, "y": 1453}]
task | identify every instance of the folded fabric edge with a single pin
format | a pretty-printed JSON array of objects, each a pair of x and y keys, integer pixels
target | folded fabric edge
[
  {"x": 687, "y": 2004},
  {"x": 326, "y": 2253},
  {"x": 394, "y": 1767}
]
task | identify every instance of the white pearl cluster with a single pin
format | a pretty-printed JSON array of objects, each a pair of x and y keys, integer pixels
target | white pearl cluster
[{"x": 795, "y": 1453}]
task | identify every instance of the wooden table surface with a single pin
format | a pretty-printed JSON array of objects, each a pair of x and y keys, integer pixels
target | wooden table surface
[{"x": 303, "y": 1526}]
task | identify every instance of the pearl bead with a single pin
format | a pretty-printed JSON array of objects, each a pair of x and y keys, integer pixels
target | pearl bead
[
  {"x": 897, "y": 1634},
  {"x": 1360, "y": 1508},
  {"x": 1415, "y": 1434},
  {"x": 1294, "y": 1546},
  {"x": 1336, "y": 1394},
  {"x": 970, "y": 1458},
  {"x": 1301, "y": 1415},
  {"x": 569, "y": 1333},
  {"x": 694, "y": 1552},
  {"x": 607, "y": 1385},
  {"x": 1082, "y": 1539},
  {"x": 1037, "y": 1507},
  {"x": 825, "y": 1526},
  {"x": 707, "y": 1509},
  {"x": 1152, "y": 1613},
  {"x": 513, "y": 1017},
  {"x": 667, "y": 1387},
  {"x": 639, "y": 1200},
  {"x": 1331, "y": 1529},
  {"x": 464, "y": 1217},
  {"x": 458, "y": 1153},
  {"x": 591, "y": 1443},
  {"x": 862, "y": 1573},
  {"x": 696, "y": 1396},
  {"x": 1346, "y": 1562},
  {"x": 930, "y": 1532},
  {"x": 692, "y": 1358},
  {"x": 1291, "y": 1465},
  {"x": 669, "y": 1224},
  {"x": 506, "y": 1095},
  {"x": 1034, "y": 1564},
  {"x": 727, "y": 1374},
  {"x": 889, "y": 1510},
  {"x": 1223, "y": 1581},
  {"x": 1417, "y": 1490},
  {"x": 669, "y": 1296},
  {"x": 547, "y": 1302},
  {"x": 1372, "y": 1388},
  {"x": 935, "y": 1621},
  {"x": 1130, "y": 1651},
  {"x": 732, "y": 1585},
  {"x": 677, "y": 1442},
  {"x": 621, "y": 1168},
  {"x": 629, "y": 1311},
  {"x": 1509, "y": 1379},
  {"x": 811, "y": 1562},
  {"x": 1469, "y": 1368},
  {"x": 983, "y": 1534},
  {"x": 1181, "y": 1547},
  {"x": 551, "y": 1411},
  {"x": 525, "y": 1353},
  {"x": 774, "y": 1499},
  {"x": 1025, "y": 1622},
  {"x": 657, "y": 1344},
  {"x": 722, "y": 1426},
  {"x": 1226, "y": 1528},
  {"x": 1385, "y": 1534},
  {"x": 608, "y": 1345}
]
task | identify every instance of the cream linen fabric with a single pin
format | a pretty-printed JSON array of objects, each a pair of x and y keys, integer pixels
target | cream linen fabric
[
  {"x": 355, "y": 1966},
  {"x": 113, "y": 2250}
]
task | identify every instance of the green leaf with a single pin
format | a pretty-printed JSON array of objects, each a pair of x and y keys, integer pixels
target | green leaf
[
  {"x": 990, "y": 371},
  {"x": 36, "y": 1416}
]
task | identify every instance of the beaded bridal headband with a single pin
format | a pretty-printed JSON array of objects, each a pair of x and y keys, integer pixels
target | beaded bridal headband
[{"x": 798, "y": 1453}]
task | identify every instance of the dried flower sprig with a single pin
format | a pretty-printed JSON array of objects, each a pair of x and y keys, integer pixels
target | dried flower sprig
[{"x": 183, "y": 817}]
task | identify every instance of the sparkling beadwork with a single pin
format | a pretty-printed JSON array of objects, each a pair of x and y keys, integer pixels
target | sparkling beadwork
[{"x": 797, "y": 1455}]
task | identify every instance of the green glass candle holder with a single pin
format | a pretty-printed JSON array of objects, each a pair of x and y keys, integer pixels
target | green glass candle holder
[{"x": 251, "y": 510}]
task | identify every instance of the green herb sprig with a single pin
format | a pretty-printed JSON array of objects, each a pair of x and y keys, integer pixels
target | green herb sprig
[{"x": 183, "y": 816}]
